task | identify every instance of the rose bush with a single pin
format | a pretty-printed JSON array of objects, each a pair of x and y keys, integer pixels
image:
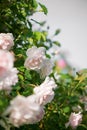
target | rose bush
[{"x": 37, "y": 90}]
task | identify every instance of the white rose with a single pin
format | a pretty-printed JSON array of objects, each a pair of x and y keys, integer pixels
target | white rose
[
  {"x": 6, "y": 41},
  {"x": 10, "y": 80},
  {"x": 35, "y": 58},
  {"x": 24, "y": 111},
  {"x": 45, "y": 92}
]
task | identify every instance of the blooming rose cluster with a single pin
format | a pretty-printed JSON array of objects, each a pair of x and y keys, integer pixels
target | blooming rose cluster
[
  {"x": 30, "y": 110},
  {"x": 36, "y": 60},
  {"x": 8, "y": 74},
  {"x": 25, "y": 110}
]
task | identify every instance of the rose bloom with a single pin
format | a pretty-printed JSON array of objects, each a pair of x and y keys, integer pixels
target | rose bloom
[
  {"x": 23, "y": 110},
  {"x": 46, "y": 68},
  {"x": 61, "y": 63},
  {"x": 35, "y": 58},
  {"x": 74, "y": 120},
  {"x": 10, "y": 80},
  {"x": 6, "y": 41},
  {"x": 45, "y": 92},
  {"x": 6, "y": 63}
]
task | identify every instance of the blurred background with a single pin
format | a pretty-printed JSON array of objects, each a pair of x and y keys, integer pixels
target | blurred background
[{"x": 70, "y": 16}]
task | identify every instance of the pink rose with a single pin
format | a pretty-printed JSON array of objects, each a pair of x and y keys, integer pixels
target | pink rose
[
  {"x": 74, "y": 120},
  {"x": 44, "y": 93},
  {"x": 6, "y": 63},
  {"x": 61, "y": 63},
  {"x": 11, "y": 79},
  {"x": 6, "y": 41},
  {"x": 23, "y": 110},
  {"x": 35, "y": 58}
]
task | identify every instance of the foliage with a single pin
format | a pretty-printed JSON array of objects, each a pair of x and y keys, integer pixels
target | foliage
[{"x": 16, "y": 18}]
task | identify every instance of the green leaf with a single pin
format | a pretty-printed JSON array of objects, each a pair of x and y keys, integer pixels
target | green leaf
[
  {"x": 57, "y": 32},
  {"x": 28, "y": 75},
  {"x": 57, "y": 43},
  {"x": 43, "y": 37},
  {"x": 1, "y": 103},
  {"x": 66, "y": 109},
  {"x": 21, "y": 77},
  {"x": 43, "y": 8},
  {"x": 37, "y": 35},
  {"x": 81, "y": 75},
  {"x": 73, "y": 99},
  {"x": 35, "y": 4}
]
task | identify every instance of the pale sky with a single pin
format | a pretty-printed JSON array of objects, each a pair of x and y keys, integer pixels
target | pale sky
[{"x": 71, "y": 17}]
